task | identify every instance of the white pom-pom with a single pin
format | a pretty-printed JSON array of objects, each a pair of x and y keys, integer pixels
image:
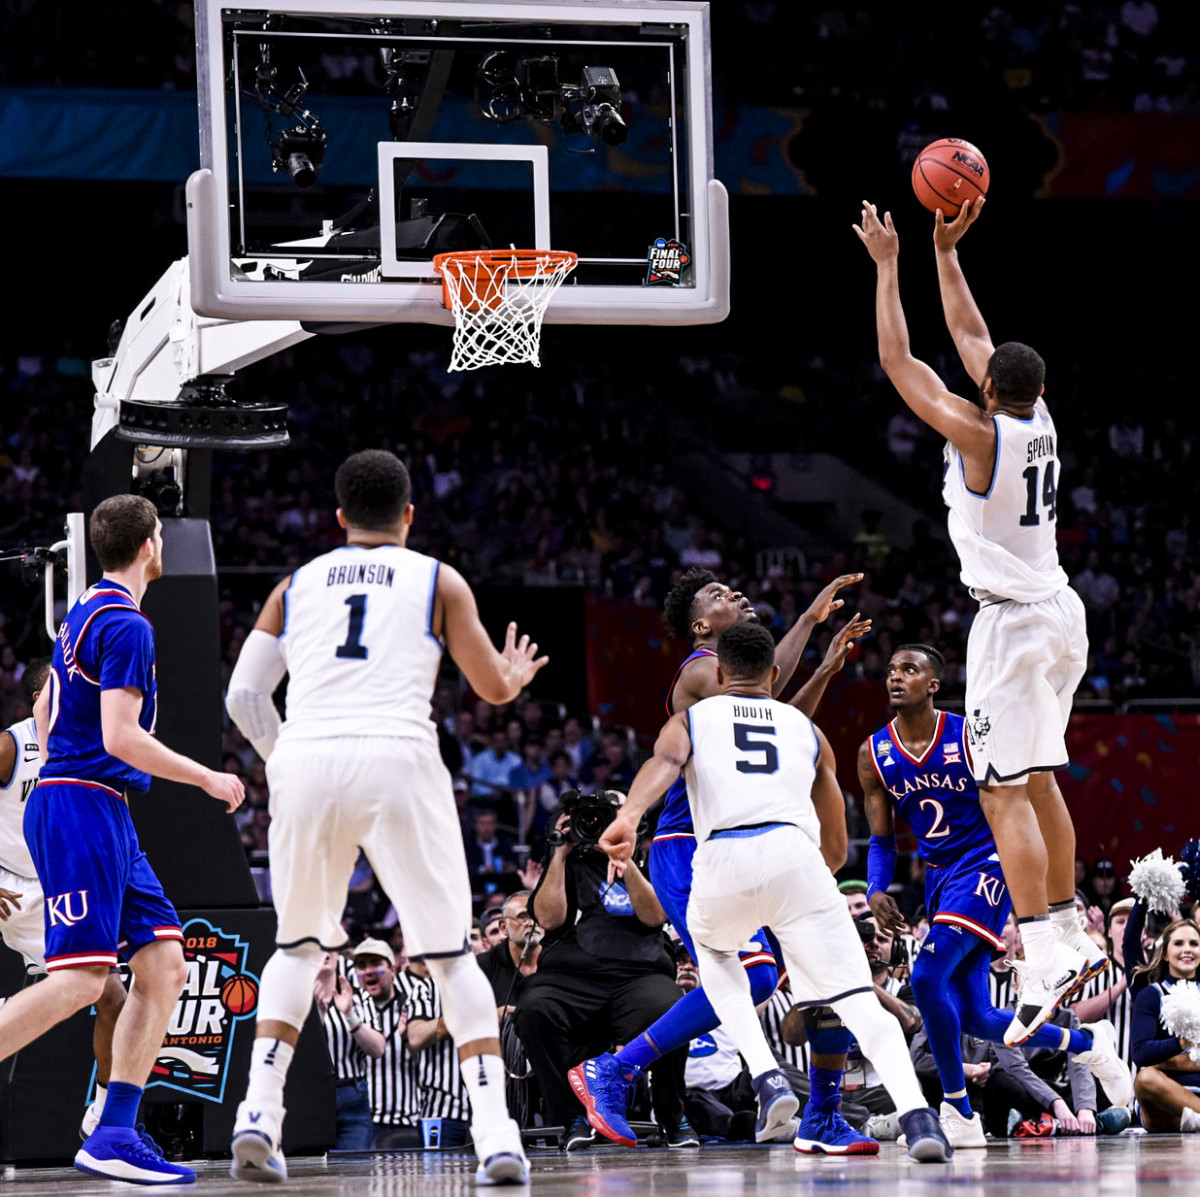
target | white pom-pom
[
  {"x": 1181, "y": 1014},
  {"x": 1157, "y": 881}
]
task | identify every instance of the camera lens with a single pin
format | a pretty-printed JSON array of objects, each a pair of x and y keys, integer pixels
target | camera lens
[
  {"x": 608, "y": 124},
  {"x": 300, "y": 167}
]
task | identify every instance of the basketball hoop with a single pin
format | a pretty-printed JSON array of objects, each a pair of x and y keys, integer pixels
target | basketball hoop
[{"x": 498, "y": 297}]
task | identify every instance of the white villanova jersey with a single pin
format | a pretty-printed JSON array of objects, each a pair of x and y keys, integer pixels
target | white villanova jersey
[
  {"x": 14, "y": 854},
  {"x": 358, "y": 641},
  {"x": 753, "y": 761},
  {"x": 1006, "y": 537}
]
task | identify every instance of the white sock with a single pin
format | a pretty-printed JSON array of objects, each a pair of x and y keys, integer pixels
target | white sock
[
  {"x": 882, "y": 1042},
  {"x": 1189, "y": 1121},
  {"x": 485, "y": 1079},
  {"x": 270, "y": 1060},
  {"x": 728, "y": 988},
  {"x": 1039, "y": 939},
  {"x": 98, "y": 1100}
]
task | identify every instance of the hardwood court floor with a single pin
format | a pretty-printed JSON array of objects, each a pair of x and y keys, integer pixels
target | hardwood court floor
[{"x": 1145, "y": 1165}]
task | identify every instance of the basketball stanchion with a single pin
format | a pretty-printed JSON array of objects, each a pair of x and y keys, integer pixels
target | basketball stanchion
[{"x": 498, "y": 297}]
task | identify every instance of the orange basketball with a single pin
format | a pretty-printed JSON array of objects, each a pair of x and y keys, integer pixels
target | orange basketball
[
  {"x": 239, "y": 994},
  {"x": 949, "y": 172}
]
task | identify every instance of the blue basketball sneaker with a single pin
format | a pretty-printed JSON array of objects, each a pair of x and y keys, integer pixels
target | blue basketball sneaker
[
  {"x": 825, "y": 1132},
  {"x": 777, "y": 1106},
  {"x": 124, "y": 1153},
  {"x": 927, "y": 1142},
  {"x": 604, "y": 1087}
]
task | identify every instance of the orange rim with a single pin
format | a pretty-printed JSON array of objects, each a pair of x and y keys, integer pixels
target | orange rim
[{"x": 463, "y": 267}]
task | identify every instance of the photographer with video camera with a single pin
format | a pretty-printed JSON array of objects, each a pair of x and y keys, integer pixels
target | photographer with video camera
[{"x": 603, "y": 972}]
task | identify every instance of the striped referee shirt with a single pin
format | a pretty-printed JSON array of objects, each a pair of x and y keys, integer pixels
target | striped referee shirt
[
  {"x": 1002, "y": 987},
  {"x": 392, "y": 1079},
  {"x": 771, "y": 1016},
  {"x": 349, "y": 1060},
  {"x": 441, "y": 1092}
]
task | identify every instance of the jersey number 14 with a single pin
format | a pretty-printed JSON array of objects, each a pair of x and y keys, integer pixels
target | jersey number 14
[{"x": 1032, "y": 518}]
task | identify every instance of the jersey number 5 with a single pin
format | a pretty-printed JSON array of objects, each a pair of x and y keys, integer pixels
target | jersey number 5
[
  {"x": 353, "y": 648},
  {"x": 743, "y": 737},
  {"x": 1031, "y": 518}
]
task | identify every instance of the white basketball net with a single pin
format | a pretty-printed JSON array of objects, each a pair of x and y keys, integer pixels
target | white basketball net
[{"x": 498, "y": 300}]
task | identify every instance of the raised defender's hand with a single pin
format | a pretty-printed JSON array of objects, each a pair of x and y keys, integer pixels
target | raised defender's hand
[
  {"x": 947, "y": 236},
  {"x": 840, "y": 646},
  {"x": 618, "y": 843},
  {"x": 826, "y": 603},
  {"x": 9, "y": 901},
  {"x": 887, "y": 913},
  {"x": 224, "y": 787},
  {"x": 879, "y": 238},
  {"x": 522, "y": 656}
]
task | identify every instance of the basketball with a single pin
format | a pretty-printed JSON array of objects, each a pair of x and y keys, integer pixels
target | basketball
[
  {"x": 239, "y": 994},
  {"x": 949, "y": 172}
]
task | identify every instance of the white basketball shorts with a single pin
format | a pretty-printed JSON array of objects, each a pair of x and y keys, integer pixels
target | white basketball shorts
[
  {"x": 25, "y": 930},
  {"x": 779, "y": 879},
  {"x": 1024, "y": 663},
  {"x": 390, "y": 796}
]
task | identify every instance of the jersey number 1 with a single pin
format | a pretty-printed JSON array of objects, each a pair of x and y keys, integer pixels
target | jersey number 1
[
  {"x": 1031, "y": 518},
  {"x": 353, "y": 648}
]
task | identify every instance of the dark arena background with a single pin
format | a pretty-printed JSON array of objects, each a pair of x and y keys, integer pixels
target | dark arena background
[{"x": 769, "y": 447}]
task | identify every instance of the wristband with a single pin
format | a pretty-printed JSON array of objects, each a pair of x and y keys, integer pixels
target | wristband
[
  {"x": 353, "y": 1026},
  {"x": 881, "y": 864}
]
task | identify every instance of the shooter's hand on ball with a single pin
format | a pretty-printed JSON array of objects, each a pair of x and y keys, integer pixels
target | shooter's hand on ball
[
  {"x": 947, "y": 236},
  {"x": 880, "y": 239}
]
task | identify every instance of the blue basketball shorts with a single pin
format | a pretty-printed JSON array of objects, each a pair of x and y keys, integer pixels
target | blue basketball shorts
[
  {"x": 972, "y": 896},
  {"x": 671, "y": 876},
  {"x": 102, "y": 897}
]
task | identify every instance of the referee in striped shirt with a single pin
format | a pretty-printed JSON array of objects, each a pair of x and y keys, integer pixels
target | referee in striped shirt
[
  {"x": 441, "y": 1092},
  {"x": 391, "y": 1076},
  {"x": 353, "y": 1042}
]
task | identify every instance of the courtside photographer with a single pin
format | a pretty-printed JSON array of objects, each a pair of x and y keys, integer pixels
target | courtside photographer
[{"x": 604, "y": 971}]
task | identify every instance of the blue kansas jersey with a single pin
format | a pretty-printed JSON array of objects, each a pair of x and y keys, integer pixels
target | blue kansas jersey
[
  {"x": 105, "y": 643},
  {"x": 935, "y": 794},
  {"x": 937, "y": 797},
  {"x": 676, "y": 816}
]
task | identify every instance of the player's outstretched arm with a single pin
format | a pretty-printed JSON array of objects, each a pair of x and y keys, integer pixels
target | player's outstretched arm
[
  {"x": 881, "y": 855},
  {"x": 791, "y": 648},
  {"x": 830, "y": 806},
  {"x": 41, "y": 720},
  {"x": 813, "y": 690},
  {"x": 128, "y": 741},
  {"x": 963, "y": 318},
  {"x": 671, "y": 752},
  {"x": 497, "y": 677},
  {"x": 963, "y": 424},
  {"x": 259, "y": 670}
]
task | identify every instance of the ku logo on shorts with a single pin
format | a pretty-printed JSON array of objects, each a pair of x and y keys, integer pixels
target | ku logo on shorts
[{"x": 65, "y": 910}]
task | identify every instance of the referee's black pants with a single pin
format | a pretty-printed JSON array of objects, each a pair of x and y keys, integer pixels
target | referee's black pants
[{"x": 565, "y": 1018}]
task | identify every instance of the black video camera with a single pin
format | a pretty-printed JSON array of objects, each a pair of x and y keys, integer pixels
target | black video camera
[{"x": 588, "y": 817}]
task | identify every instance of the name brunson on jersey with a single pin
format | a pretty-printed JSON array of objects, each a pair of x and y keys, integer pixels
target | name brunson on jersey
[
  {"x": 357, "y": 575},
  {"x": 1040, "y": 446},
  {"x": 930, "y": 781}
]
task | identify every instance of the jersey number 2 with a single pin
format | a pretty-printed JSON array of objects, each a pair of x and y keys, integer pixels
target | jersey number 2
[
  {"x": 1031, "y": 518},
  {"x": 353, "y": 648},
  {"x": 743, "y": 734},
  {"x": 936, "y": 830}
]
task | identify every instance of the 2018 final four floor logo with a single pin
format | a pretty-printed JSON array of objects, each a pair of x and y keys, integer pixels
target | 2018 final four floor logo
[{"x": 218, "y": 995}]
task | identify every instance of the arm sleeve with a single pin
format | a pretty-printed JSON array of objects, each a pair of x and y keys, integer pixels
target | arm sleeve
[
  {"x": 126, "y": 652},
  {"x": 881, "y": 863},
  {"x": 1148, "y": 1044},
  {"x": 259, "y": 670}
]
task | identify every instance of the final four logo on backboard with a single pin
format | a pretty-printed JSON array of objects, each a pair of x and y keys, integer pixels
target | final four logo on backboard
[{"x": 665, "y": 260}]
